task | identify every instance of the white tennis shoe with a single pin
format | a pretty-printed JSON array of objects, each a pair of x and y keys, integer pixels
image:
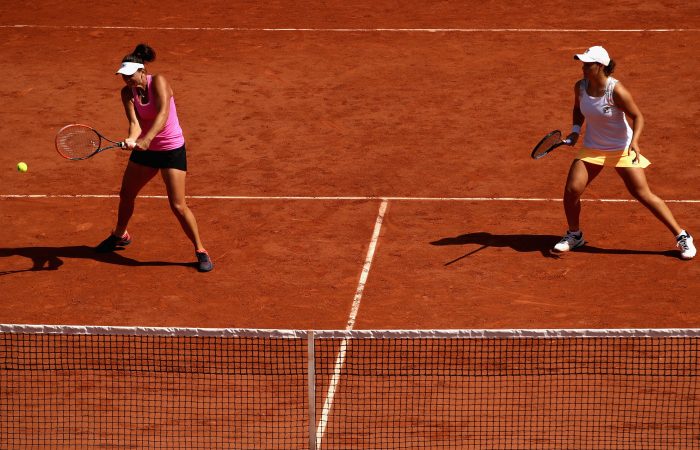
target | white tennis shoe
[
  {"x": 570, "y": 241},
  {"x": 684, "y": 242}
]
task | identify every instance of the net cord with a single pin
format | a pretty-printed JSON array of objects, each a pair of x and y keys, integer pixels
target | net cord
[{"x": 352, "y": 334}]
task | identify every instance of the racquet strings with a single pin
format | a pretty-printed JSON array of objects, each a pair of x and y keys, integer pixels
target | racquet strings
[
  {"x": 547, "y": 143},
  {"x": 77, "y": 141}
]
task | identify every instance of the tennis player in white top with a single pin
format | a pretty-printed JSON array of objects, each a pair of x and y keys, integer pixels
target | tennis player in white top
[{"x": 605, "y": 104}]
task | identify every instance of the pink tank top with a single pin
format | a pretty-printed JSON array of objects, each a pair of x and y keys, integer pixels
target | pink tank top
[{"x": 170, "y": 137}]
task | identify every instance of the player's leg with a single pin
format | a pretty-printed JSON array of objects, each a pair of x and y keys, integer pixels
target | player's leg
[
  {"x": 636, "y": 182},
  {"x": 581, "y": 174},
  {"x": 175, "y": 184},
  {"x": 135, "y": 178}
]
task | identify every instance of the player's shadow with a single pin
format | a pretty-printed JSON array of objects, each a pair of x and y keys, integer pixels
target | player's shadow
[
  {"x": 51, "y": 258},
  {"x": 542, "y": 243}
]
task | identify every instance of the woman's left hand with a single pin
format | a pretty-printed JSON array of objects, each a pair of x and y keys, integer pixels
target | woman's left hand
[
  {"x": 142, "y": 144},
  {"x": 635, "y": 148}
]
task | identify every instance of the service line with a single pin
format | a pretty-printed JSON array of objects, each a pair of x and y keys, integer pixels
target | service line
[
  {"x": 360, "y": 30},
  {"x": 344, "y": 198}
]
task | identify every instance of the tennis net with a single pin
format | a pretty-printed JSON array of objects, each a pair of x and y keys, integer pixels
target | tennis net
[{"x": 118, "y": 387}]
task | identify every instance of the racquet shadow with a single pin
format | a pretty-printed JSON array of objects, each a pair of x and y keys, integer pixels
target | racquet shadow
[
  {"x": 51, "y": 258},
  {"x": 530, "y": 243}
]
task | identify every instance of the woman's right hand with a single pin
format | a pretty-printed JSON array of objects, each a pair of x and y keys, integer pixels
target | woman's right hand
[{"x": 130, "y": 143}]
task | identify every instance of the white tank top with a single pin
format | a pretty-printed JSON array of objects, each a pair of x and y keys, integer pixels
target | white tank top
[{"x": 606, "y": 126}]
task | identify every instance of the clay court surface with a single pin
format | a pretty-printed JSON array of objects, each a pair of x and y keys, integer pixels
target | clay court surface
[{"x": 297, "y": 138}]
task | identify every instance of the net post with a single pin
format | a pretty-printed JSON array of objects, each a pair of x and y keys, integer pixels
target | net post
[{"x": 311, "y": 374}]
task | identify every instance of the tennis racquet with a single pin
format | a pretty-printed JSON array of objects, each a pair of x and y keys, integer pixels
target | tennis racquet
[
  {"x": 549, "y": 143},
  {"x": 78, "y": 142}
]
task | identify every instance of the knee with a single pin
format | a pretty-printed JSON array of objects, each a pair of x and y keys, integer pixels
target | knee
[
  {"x": 641, "y": 193},
  {"x": 127, "y": 194},
  {"x": 179, "y": 207},
  {"x": 573, "y": 191},
  {"x": 644, "y": 196}
]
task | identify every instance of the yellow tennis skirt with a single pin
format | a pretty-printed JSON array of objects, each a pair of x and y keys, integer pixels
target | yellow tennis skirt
[{"x": 612, "y": 158}]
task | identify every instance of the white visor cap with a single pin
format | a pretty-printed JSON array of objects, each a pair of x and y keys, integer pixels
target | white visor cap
[
  {"x": 594, "y": 54},
  {"x": 129, "y": 68}
]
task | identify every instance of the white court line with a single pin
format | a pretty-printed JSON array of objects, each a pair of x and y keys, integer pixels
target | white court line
[
  {"x": 362, "y": 30},
  {"x": 368, "y": 264},
  {"x": 340, "y": 360},
  {"x": 345, "y": 198}
]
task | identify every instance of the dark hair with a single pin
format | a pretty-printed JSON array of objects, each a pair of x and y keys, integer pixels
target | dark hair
[
  {"x": 141, "y": 54},
  {"x": 610, "y": 68}
]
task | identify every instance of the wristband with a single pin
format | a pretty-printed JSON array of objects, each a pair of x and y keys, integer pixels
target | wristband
[{"x": 576, "y": 129}]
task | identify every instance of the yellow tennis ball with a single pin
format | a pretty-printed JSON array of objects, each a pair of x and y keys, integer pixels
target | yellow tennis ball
[{"x": 22, "y": 166}]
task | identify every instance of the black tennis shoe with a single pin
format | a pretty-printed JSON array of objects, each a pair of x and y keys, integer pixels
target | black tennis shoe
[
  {"x": 113, "y": 243},
  {"x": 204, "y": 263}
]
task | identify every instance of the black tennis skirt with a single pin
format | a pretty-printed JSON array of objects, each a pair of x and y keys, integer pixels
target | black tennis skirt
[{"x": 161, "y": 159}]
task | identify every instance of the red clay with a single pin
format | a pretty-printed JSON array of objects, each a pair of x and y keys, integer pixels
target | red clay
[{"x": 346, "y": 113}]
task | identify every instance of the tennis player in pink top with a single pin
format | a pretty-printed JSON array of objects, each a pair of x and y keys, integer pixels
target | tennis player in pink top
[{"x": 158, "y": 145}]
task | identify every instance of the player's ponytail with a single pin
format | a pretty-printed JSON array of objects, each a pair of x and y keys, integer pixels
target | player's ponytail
[
  {"x": 141, "y": 54},
  {"x": 610, "y": 68},
  {"x": 146, "y": 53}
]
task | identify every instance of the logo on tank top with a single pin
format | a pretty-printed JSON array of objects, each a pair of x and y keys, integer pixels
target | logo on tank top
[{"x": 607, "y": 110}]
